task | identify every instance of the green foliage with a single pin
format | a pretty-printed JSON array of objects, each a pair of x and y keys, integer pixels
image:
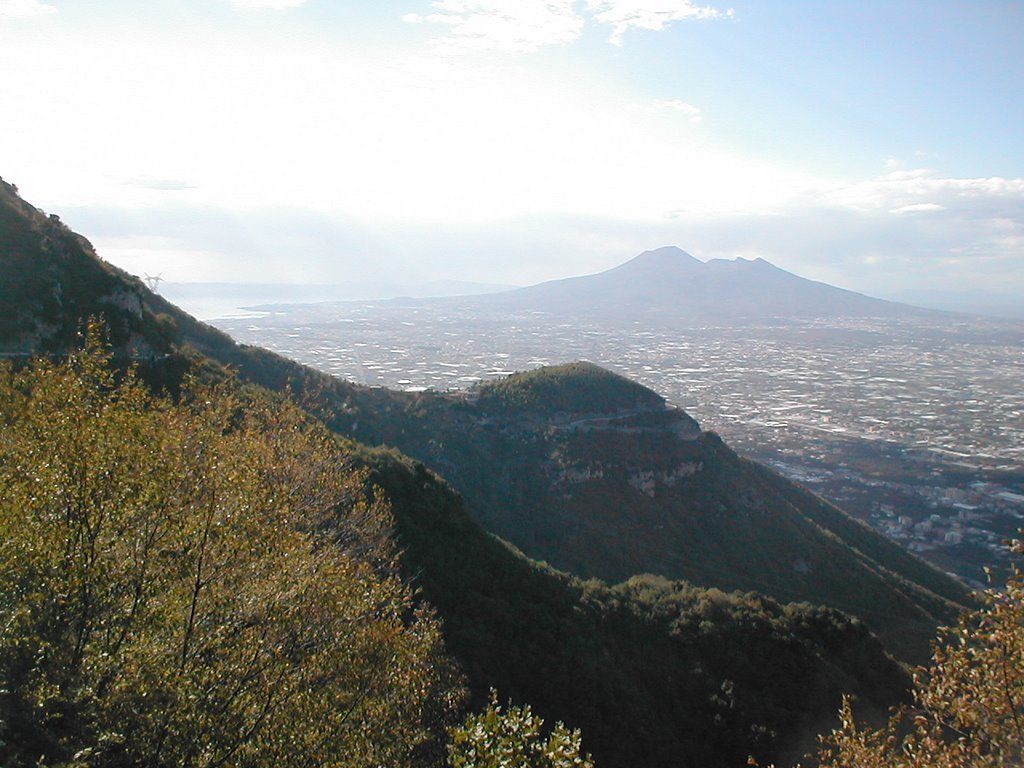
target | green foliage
[
  {"x": 51, "y": 280},
  {"x": 201, "y": 582},
  {"x": 571, "y": 388},
  {"x": 655, "y": 672},
  {"x": 570, "y": 490},
  {"x": 733, "y": 524},
  {"x": 46, "y": 287},
  {"x": 969, "y": 703},
  {"x": 513, "y": 738}
]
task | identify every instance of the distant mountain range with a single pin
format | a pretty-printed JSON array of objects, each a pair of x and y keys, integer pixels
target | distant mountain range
[
  {"x": 590, "y": 471},
  {"x": 665, "y": 286},
  {"x": 215, "y": 300},
  {"x": 668, "y": 285},
  {"x": 968, "y": 302}
]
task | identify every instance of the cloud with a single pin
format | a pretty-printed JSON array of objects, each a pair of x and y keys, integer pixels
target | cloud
[
  {"x": 24, "y": 9},
  {"x": 655, "y": 15},
  {"x": 162, "y": 185},
  {"x": 918, "y": 208},
  {"x": 510, "y": 26},
  {"x": 431, "y": 146},
  {"x": 209, "y": 243},
  {"x": 971, "y": 240},
  {"x": 919, "y": 190},
  {"x": 275, "y": 5},
  {"x": 693, "y": 113},
  {"x": 523, "y": 26}
]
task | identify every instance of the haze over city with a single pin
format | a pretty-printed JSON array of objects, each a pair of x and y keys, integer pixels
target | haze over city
[
  {"x": 462, "y": 380},
  {"x": 871, "y": 145},
  {"x": 909, "y": 419}
]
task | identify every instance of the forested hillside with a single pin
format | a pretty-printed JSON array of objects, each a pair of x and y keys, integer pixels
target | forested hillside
[
  {"x": 657, "y": 672},
  {"x": 598, "y": 476},
  {"x": 196, "y": 582}
]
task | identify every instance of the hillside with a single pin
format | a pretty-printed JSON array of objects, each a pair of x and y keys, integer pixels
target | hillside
[
  {"x": 52, "y": 281},
  {"x": 621, "y": 484},
  {"x": 657, "y": 671},
  {"x": 562, "y": 484},
  {"x": 572, "y": 389}
]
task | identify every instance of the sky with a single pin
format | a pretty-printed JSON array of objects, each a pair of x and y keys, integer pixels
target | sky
[{"x": 873, "y": 145}]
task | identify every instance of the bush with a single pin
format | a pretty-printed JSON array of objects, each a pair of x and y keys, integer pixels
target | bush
[
  {"x": 197, "y": 582},
  {"x": 969, "y": 703},
  {"x": 513, "y": 738}
]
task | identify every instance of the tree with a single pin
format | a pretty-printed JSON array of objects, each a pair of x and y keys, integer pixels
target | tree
[
  {"x": 197, "y": 582},
  {"x": 513, "y": 738},
  {"x": 969, "y": 703}
]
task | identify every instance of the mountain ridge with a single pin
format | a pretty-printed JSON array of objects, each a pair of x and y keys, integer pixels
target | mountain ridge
[
  {"x": 578, "y": 649},
  {"x": 662, "y": 286},
  {"x": 669, "y": 283},
  {"x": 532, "y": 484},
  {"x": 617, "y": 490}
]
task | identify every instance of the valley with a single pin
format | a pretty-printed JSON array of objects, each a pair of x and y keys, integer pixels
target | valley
[
  {"x": 678, "y": 591},
  {"x": 489, "y": 384},
  {"x": 914, "y": 424}
]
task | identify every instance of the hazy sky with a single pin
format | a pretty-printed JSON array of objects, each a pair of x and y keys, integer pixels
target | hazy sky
[{"x": 875, "y": 145}]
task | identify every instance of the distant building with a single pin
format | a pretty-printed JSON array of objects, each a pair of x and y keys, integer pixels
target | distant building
[{"x": 965, "y": 512}]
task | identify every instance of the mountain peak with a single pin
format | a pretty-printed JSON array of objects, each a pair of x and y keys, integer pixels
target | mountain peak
[
  {"x": 667, "y": 284},
  {"x": 666, "y": 257},
  {"x": 569, "y": 388},
  {"x": 666, "y": 252}
]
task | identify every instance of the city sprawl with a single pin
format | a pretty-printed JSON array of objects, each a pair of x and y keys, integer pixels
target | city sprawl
[{"x": 915, "y": 425}]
